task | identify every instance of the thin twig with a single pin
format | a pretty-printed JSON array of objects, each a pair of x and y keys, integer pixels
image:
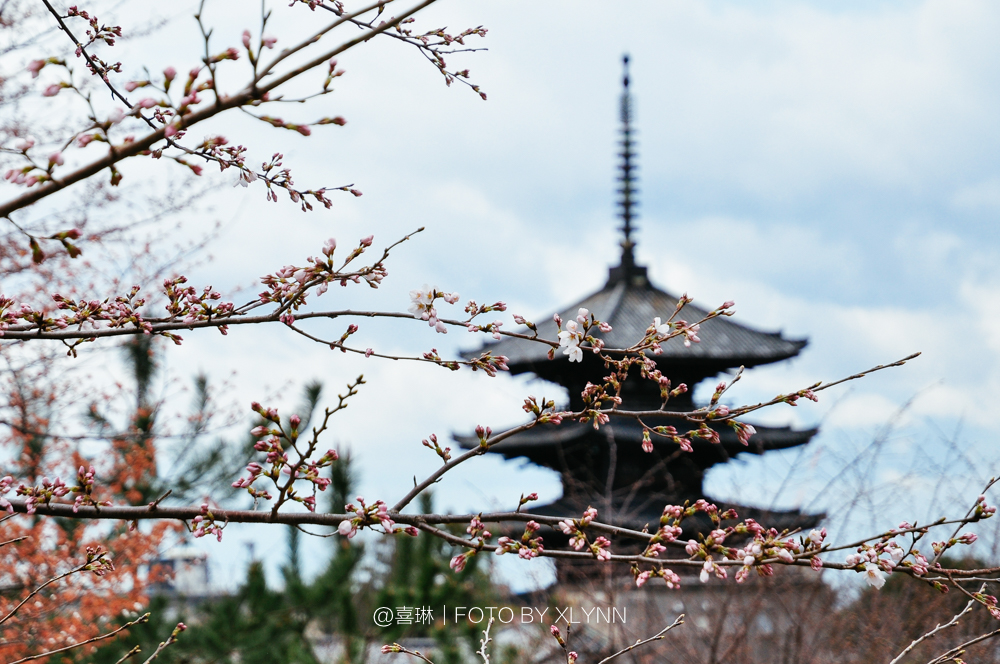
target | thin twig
[
  {"x": 659, "y": 635},
  {"x": 957, "y": 650},
  {"x": 936, "y": 630},
  {"x": 486, "y": 640},
  {"x": 140, "y": 619}
]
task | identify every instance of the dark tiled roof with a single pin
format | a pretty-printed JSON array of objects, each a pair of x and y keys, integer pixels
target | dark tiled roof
[
  {"x": 629, "y": 432},
  {"x": 630, "y": 308}
]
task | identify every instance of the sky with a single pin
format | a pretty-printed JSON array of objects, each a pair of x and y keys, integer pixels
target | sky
[{"x": 832, "y": 169}]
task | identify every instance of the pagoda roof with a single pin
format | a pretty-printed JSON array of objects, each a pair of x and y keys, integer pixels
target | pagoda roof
[
  {"x": 629, "y": 431},
  {"x": 629, "y": 302},
  {"x": 539, "y": 443}
]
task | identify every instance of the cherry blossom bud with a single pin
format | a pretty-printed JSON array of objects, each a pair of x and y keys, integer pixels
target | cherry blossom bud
[
  {"x": 458, "y": 563},
  {"x": 169, "y": 74},
  {"x": 52, "y": 90},
  {"x": 24, "y": 144},
  {"x": 56, "y": 159},
  {"x": 246, "y": 39},
  {"x": 367, "y": 241},
  {"x": 967, "y": 538},
  {"x": 35, "y": 66}
]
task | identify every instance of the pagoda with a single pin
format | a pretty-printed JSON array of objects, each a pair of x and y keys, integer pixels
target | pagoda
[{"x": 607, "y": 468}]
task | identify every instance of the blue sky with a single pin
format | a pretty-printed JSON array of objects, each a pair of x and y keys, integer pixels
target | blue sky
[{"x": 834, "y": 170}]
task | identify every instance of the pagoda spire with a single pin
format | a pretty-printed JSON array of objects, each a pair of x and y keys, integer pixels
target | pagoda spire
[{"x": 627, "y": 192}]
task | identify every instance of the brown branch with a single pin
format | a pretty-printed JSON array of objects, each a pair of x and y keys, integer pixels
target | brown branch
[
  {"x": 140, "y": 619},
  {"x": 957, "y": 650},
  {"x": 433, "y": 477}
]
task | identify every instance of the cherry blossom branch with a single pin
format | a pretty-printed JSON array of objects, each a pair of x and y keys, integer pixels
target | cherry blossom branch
[
  {"x": 396, "y": 648},
  {"x": 172, "y": 639},
  {"x": 658, "y": 636},
  {"x": 975, "y": 506},
  {"x": 94, "y": 67},
  {"x": 486, "y": 442},
  {"x": 702, "y": 415},
  {"x": 420, "y": 521},
  {"x": 485, "y": 642},
  {"x": 934, "y": 632},
  {"x": 138, "y": 621},
  {"x": 250, "y": 95},
  {"x": 960, "y": 649},
  {"x": 97, "y": 562}
]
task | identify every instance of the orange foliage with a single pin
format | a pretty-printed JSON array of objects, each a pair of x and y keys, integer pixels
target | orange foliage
[{"x": 84, "y": 604}]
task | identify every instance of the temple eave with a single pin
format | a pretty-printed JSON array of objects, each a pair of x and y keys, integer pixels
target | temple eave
[{"x": 543, "y": 440}]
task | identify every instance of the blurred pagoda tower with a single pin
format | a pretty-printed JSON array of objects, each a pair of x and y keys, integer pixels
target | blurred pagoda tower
[{"x": 607, "y": 468}]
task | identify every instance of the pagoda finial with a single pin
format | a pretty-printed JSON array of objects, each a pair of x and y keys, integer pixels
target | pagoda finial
[{"x": 627, "y": 193}]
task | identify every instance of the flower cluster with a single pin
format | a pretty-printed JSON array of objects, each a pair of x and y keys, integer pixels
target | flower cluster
[
  {"x": 575, "y": 333},
  {"x": 672, "y": 580},
  {"x": 574, "y": 528},
  {"x": 369, "y": 515},
  {"x": 982, "y": 510},
  {"x": 422, "y": 305},
  {"x": 489, "y": 363},
  {"x": 98, "y": 561},
  {"x": 869, "y": 561},
  {"x": 290, "y": 285},
  {"x": 668, "y": 532},
  {"x": 274, "y": 442},
  {"x": 479, "y": 535},
  {"x": 792, "y": 399},
  {"x": 121, "y": 312},
  {"x": 988, "y": 601},
  {"x": 526, "y": 499},
  {"x": 84, "y": 489},
  {"x": 527, "y": 548},
  {"x": 765, "y": 547},
  {"x": 186, "y": 303},
  {"x": 444, "y": 453},
  {"x": 43, "y": 493},
  {"x": 47, "y": 489},
  {"x": 544, "y": 411},
  {"x": 205, "y": 524}
]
